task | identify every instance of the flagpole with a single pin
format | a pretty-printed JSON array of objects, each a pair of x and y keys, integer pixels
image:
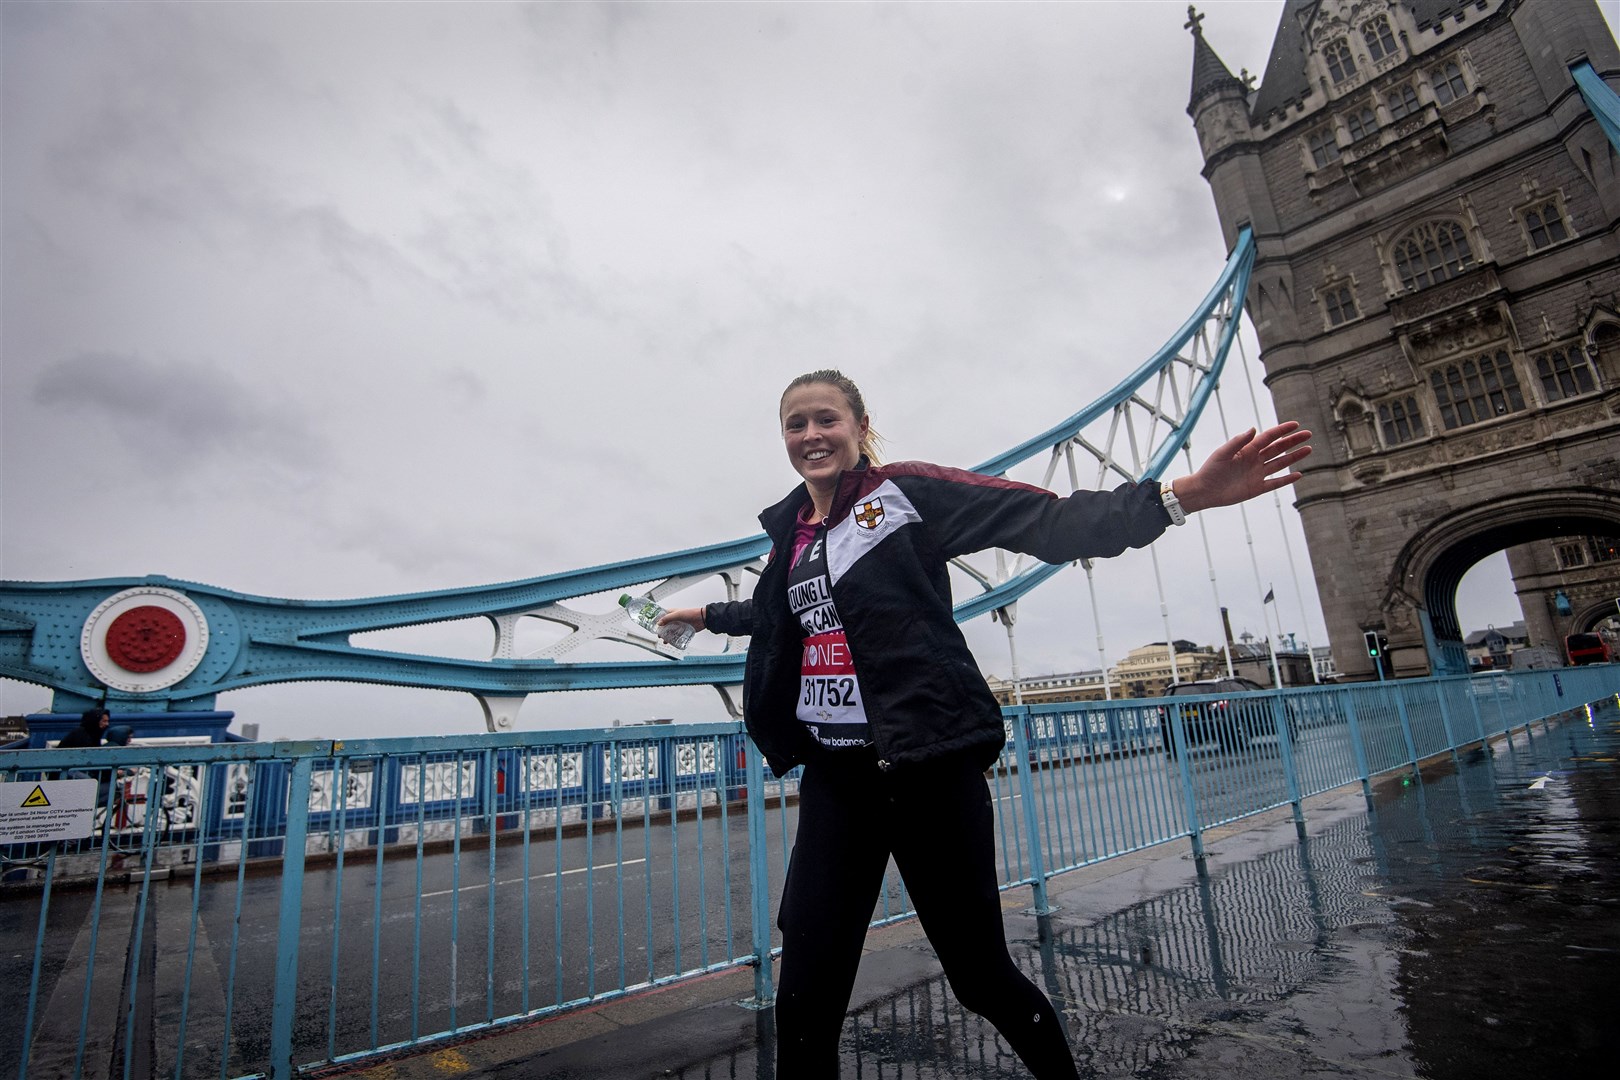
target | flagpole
[{"x": 1271, "y": 642}]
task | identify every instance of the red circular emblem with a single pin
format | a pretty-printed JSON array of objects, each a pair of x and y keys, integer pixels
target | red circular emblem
[{"x": 146, "y": 638}]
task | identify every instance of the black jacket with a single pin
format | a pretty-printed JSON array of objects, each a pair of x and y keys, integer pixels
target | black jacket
[
  {"x": 891, "y": 533},
  {"x": 88, "y": 733}
]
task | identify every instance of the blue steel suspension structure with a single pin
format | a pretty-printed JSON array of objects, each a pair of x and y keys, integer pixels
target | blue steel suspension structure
[{"x": 159, "y": 644}]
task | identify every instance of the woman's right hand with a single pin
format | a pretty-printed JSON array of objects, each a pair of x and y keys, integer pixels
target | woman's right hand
[{"x": 692, "y": 616}]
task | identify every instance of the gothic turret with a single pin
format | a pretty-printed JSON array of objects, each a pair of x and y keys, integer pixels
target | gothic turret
[
  {"x": 1210, "y": 74},
  {"x": 1219, "y": 104},
  {"x": 1219, "y": 108}
]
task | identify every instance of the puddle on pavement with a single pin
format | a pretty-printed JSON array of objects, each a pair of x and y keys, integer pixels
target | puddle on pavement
[{"x": 1465, "y": 927}]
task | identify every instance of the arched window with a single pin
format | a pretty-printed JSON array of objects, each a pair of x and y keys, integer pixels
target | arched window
[
  {"x": 1433, "y": 252},
  {"x": 1402, "y": 101},
  {"x": 1341, "y": 65},
  {"x": 1380, "y": 39},
  {"x": 1324, "y": 149},
  {"x": 1362, "y": 122},
  {"x": 1476, "y": 389},
  {"x": 1400, "y": 421},
  {"x": 1564, "y": 373},
  {"x": 1357, "y": 424},
  {"x": 1449, "y": 84}
]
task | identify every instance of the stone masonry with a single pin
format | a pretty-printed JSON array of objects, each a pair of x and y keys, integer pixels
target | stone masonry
[{"x": 1436, "y": 293}]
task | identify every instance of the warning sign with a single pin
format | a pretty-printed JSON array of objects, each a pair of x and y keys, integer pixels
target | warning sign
[{"x": 36, "y": 811}]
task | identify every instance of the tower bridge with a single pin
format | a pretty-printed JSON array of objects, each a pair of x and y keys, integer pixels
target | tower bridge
[
  {"x": 1434, "y": 192},
  {"x": 1464, "y": 397},
  {"x": 1423, "y": 216},
  {"x": 158, "y": 644}
]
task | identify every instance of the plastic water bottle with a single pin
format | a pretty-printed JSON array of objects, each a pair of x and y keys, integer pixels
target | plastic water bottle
[{"x": 646, "y": 611}]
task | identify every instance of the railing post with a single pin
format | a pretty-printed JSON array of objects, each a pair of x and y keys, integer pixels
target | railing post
[
  {"x": 1445, "y": 715},
  {"x": 1178, "y": 746},
  {"x": 1357, "y": 745},
  {"x": 1026, "y": 795},
  {"x": 1285, "y": 747},
  {"x": 1406, "y": 723},
  {"x": 285, "y": 1001},
  {"x": 759, "y": 882},
  {"x": 1479, "y": 721}
]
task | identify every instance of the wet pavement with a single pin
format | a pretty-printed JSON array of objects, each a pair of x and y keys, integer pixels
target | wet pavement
[{"x": 1463, "y": 922}]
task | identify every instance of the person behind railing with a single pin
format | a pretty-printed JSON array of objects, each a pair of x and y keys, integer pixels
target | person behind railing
[
  {"x": 93, "y": 723},
  {"x": 858, "y": 671}
]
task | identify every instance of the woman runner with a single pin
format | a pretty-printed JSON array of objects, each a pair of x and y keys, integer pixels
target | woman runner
[{"x": 858, "y": 672}]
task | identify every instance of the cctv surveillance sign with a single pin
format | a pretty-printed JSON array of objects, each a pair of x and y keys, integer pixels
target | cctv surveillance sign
[{"x": 39, "y": 811}]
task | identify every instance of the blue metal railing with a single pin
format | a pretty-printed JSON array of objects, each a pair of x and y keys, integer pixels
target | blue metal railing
[{"x": 430, "y": 887}]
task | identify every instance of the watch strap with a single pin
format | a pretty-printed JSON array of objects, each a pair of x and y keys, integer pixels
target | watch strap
[{"x": 1172, "y": 505}]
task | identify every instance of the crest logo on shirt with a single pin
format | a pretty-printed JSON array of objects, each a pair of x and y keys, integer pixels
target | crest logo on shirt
[{"x": 869, "y": 514}]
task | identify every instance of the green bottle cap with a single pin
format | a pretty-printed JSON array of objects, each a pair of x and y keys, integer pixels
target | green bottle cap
[{"x": 624, "y": 601}]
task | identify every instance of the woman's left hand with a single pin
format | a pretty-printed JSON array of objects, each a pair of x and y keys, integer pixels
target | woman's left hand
[{"x": 1244, "y": 466}]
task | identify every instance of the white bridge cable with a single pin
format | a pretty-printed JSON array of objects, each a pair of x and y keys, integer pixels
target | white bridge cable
[
  {"x": 1282, "y": 527},
  {"x": 1203, "y": 524},
  {"x": 1091, "y": 588},
  {"x": 1209, "y": 562},
  {"x": 1248, "y": 539},
  {"x": 1203, "y": 532}
]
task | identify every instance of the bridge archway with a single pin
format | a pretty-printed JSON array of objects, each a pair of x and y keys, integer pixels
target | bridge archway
[{"x": 1420, "y": 603}]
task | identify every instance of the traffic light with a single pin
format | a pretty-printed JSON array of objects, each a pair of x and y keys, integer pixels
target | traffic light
[{"x": 1375, "y": 643}]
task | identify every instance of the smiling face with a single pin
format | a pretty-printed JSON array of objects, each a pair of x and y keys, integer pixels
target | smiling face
[{"x": 821, "y": 433}]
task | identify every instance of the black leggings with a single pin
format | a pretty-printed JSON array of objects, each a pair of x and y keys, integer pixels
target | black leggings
[{"x": 936, "y": 821}]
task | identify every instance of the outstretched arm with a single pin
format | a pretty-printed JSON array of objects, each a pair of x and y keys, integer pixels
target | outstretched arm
[{"x": 1250, "y": 464}]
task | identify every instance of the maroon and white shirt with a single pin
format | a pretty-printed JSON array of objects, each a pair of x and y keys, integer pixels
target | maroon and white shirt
[{"x": 830, "y": 702}]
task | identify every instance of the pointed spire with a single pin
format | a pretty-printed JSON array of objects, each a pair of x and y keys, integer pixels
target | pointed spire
[{"x": 1209, "y": 72}]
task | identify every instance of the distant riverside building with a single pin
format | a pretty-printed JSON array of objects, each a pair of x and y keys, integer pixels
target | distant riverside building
[
  {"x": 1147, "y": 671},
  {"x": 1047, "y": 689},
  {"x": 1322, "y": 657},
  {"x": 1252, "y": 661},
  {"x": 13, "y": 728},
  {"x": 1436, "y": 291},
  {"x": 1494, "y": 647}
]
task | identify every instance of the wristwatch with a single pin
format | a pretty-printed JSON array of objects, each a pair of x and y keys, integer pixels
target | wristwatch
[{"x": 1172, "y": 505}]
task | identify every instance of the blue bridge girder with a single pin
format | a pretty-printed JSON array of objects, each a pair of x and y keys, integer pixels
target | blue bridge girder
[
  {"x": 53, "y": 633},
  {"x": 1600, "y": 97}
]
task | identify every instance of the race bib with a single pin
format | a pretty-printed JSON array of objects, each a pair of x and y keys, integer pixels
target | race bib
[{"x": 830, "y": 703}]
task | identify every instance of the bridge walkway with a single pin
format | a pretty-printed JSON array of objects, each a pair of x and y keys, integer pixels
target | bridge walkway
[{"x": 1459, "y": 923}]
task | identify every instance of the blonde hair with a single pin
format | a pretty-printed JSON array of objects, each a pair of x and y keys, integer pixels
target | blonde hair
[{"x": 871, "y": 441}]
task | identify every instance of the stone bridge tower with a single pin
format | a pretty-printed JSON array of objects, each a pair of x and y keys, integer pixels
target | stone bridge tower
[{"x": 1436, "y": 293}]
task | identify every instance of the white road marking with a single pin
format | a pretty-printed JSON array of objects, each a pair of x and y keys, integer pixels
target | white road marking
[{"x": 532, "y": 877}]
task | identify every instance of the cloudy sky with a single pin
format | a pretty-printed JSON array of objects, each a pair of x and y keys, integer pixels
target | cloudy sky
[{"x": 348, "y": 299}]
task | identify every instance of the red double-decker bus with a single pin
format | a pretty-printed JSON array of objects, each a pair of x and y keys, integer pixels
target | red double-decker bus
[{"x": 1587, "y": 649}]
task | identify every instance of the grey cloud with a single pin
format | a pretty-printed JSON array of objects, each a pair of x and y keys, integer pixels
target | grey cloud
[
  {"x": 178, "y": 411},
  {"x": 143, "y": 164}
]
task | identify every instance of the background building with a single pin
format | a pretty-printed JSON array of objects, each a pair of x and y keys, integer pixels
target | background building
[
  {"x": 1560, "y": 582},
  {"x": 1047, "y": 689},
  {"x": 1252, "y": 661},
  {"x": 1437, "y": 295},
  {"x": 1494, "y": 646},
  {"x": 1147, "y": 671}
]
